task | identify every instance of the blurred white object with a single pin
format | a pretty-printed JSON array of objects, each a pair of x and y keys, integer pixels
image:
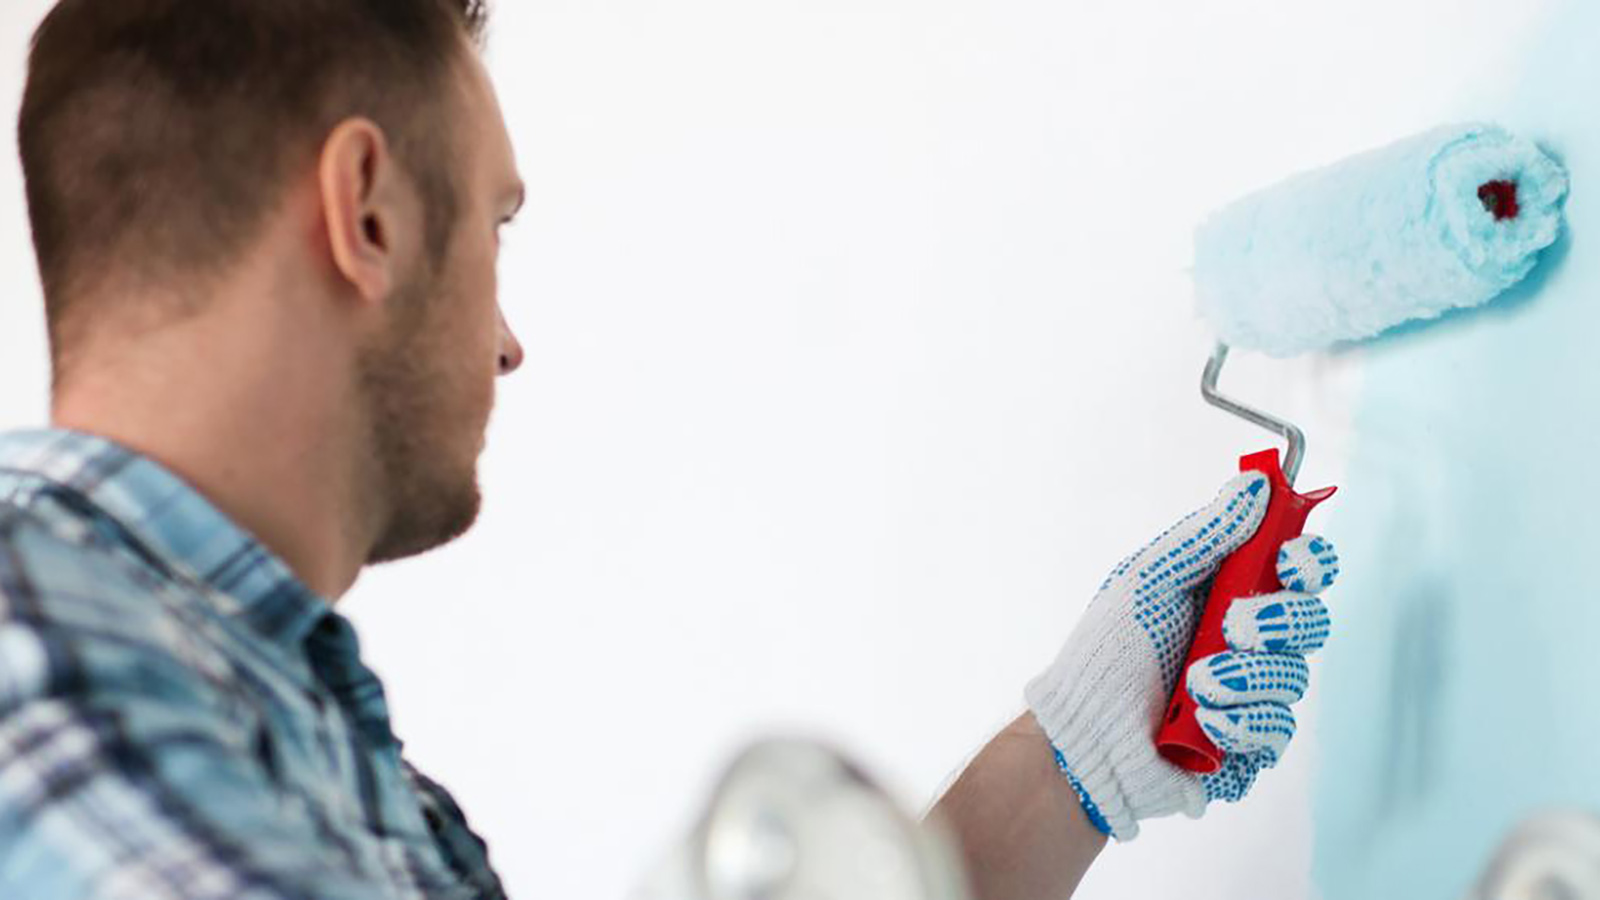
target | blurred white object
[
  {"x": 793, "y": 820},
  {"x": 1555, "y": 856}
]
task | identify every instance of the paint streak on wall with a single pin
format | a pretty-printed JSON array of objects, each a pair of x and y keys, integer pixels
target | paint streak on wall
[{"x": 1460, "y": 688}]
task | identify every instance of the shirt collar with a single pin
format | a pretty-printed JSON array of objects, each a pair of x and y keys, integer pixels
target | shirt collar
[{"x": 175, "y": 524}]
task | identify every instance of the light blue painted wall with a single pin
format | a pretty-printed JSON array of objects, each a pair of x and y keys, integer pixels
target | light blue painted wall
[{"x": 1460, "y": 687}]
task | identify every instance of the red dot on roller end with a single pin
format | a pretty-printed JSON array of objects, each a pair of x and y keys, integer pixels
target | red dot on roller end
[{"x": 1500, "y": 198}]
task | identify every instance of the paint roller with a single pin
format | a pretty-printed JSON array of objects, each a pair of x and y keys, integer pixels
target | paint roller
[{"x": 1445, "y": 220}]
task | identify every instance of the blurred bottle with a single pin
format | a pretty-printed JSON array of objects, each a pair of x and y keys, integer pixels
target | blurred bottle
[{"x": 793, "y": 820}]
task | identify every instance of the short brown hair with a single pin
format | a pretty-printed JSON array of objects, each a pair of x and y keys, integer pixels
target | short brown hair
[{"x": 156, "y": 135}]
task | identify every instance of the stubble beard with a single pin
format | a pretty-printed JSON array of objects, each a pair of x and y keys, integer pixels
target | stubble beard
[{"x": 426, "y": 489}]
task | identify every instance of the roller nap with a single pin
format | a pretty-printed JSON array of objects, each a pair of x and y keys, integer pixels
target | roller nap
[{"x": 1446, "y": 219}]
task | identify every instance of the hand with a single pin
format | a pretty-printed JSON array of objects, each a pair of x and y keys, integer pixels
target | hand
[{"x": 1102, "y": 700}]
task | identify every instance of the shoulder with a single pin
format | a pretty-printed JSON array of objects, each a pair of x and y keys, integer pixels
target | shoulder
[{"x": 78, "y": 617}]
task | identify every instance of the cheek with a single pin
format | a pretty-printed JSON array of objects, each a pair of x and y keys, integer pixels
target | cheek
[
  {"x": 476, "y": 283},
  {"x": 464, "y": 363},
  {"x": 486, "y": 335},
  {"x": 463, "y": 394},
  {"x": 470, "y": 338},
  {"x": 486, "y": 315}
]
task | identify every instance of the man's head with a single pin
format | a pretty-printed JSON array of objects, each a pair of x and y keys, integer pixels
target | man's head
[{"x": 343, "y": 160}]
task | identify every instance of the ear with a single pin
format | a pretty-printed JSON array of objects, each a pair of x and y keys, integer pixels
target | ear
[{"x": 362, "y": 207}]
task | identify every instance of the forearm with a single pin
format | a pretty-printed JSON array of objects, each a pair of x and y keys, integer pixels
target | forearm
[{"x": 1022, "y": 832}]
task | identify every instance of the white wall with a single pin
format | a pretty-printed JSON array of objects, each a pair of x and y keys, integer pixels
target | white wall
[{"x": 858, "y": 349}]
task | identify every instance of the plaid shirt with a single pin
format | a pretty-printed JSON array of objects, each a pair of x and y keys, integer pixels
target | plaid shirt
[{"x": 180, "y": 717}]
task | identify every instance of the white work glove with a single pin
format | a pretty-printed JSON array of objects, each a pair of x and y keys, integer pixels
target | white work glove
[{"x": 1103, "y": 699}]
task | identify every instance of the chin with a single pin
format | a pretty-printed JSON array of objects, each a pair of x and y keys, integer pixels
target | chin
[{"x": 429, "y": 518}]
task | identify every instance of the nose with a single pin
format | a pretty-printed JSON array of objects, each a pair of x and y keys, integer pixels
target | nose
[{"x": 510, "y": 348}]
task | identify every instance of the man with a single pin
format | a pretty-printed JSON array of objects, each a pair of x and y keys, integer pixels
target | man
[{"x": 267, "y": 235}]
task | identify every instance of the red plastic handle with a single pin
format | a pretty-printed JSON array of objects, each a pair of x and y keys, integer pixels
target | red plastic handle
[{"x": 1251, "y": 571}]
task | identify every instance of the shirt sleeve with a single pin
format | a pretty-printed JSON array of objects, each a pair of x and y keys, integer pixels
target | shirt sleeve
[{"x": 125, "y": 772}]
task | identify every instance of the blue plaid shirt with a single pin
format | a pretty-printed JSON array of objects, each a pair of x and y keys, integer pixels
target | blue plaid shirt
[{"x": 180, "y": 717}]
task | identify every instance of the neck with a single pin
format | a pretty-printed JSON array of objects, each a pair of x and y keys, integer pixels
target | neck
[{"x": 259, "y": 426}]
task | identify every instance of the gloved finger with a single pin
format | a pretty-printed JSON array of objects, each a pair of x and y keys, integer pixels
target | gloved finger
[
  {"x": 1257, "y": 728},
  {"x": 1286, "y": 622},
  {"x": 1238, "y": 773},
  {"x": 1308, "y": 564},
  {"x": 1240, "y": 679},
  {"x": 1189, "y": 552}
]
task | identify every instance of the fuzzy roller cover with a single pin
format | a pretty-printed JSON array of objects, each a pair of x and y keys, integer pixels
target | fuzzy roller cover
[{"x": 1446, "y": 219}]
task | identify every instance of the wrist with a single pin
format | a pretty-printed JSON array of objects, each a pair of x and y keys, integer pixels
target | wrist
[
  {"x": 1091, "y": 810},
  {"x": 1022, "y": 831},
  {"x": 1058, "y": 777}
]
